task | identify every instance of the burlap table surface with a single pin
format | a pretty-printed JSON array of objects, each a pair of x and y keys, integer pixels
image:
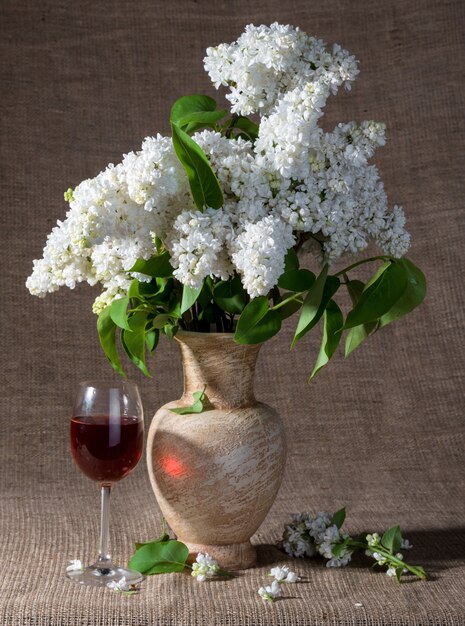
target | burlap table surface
[{"x": 382, "y": 433}]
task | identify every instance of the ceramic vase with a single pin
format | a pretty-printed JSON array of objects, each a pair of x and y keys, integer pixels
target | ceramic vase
[{"x": 216, "y": 474}]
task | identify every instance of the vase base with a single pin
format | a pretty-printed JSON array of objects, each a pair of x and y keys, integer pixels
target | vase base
[{"x": 233, "y": 556}]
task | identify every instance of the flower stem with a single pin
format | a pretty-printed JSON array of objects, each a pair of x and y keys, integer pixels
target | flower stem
[
  {"x": 354, "y": 265},
  {"x": 224, "y": 572},
  {"x": 399, "y": 562},
  {"x": 390, "y": 557},
  {"x": 296, "y": 296}
]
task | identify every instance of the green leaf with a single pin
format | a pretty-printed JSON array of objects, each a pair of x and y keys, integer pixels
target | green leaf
[
  {"x": 157, "y": 290},
  {"x": 200, "y": 119},
  {"x": 158, "y": 266},
  {"x": 357, "y": 334},
  {"x": 413, "y": 295},
  {"x": 133, "y": 291},
  {"x": 379, "y": 296},
  {"x": 188, "y": 105},
  {"x": 257, "y": 322},
  {"x": 163, "y": 537},
  {"x": 296, "y": 280},
  {"x": 310, "y": 306},
  {"x": 338, "y": 517},
  {"x": 189, "y": 296},
  {"x": 151, "y": 339},
  {"x": 173, "y": 306},
  {"x": 418, "y": 571},
  {"x": 392, "y": 539},
  {"x": 289, "y": 308},
  {"x": 161, "y": 320},
  {"x": 332, "y": 284},
  {"x": 198, "y": 406},
  {"x": 339, "y": 548},
  {"x": 160, "y": 557},
  {"x": 399, "y": 572},
  {"x": 208, "y": 314},
  {"x": 206, "y": 296},
  {"x": 204, "y": 185},
  {"x": 134, "y": 340},
  {"x": 158, "y": 244},
  {"x": 355, "y": 289},
  {"x": 118, "y": 312},
  {"x": 248, "y": 127},
  {"x": 332, "y": 332},
  {"x": 291, "y": 260},
  {"x": 230, "y": 295},
  {"x": 378, "y": 273},
  {"x": 106, "y": 329},
  {"x": 170, "y": 330}
]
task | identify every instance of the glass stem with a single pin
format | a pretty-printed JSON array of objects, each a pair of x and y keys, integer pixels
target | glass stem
[{"x": 104, "y": 545}]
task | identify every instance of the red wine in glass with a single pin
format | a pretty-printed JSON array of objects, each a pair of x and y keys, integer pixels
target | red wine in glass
[
  {"x": 107, "y": 432},
  {"x": 106, "y": 450}
]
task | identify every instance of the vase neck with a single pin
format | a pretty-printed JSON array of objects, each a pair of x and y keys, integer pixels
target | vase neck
[{"x": 225, "y": 367}]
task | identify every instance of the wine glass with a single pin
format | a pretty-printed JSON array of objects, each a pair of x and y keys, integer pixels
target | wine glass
[{"x": 107, "y": 432}]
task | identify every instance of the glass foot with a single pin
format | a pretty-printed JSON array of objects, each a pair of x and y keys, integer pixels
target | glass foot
[{"x": 97, "y": 576}]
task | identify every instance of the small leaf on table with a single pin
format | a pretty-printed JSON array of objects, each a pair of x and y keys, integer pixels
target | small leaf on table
[
  {"x": 392, "y": 539},
  {"x": 339, "y": 517},
  {"x": 159, "y": 557}
]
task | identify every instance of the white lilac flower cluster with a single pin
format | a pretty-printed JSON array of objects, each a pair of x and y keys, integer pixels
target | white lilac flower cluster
[
  {"x": 295, "y": 182},
  {"x": 307, "y": 536},
  {"x": 75, "y": 565},
  {"x": 280, "y": 575},
  {"x": 123, "y": 586},
  {"x": 205, "y": 567}
]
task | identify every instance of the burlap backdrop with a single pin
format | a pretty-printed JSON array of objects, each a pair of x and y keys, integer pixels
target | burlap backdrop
[{"x": 381, "y": 433}]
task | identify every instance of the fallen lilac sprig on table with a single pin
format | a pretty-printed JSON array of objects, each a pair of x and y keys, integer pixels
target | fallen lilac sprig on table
[
  {"x": 123, "y": 586},
  {"x": 309, "y": 536},
  {"x": 284, "y": 575},
  {"x": 271, "y": 592},
  {"x": 281, "y": 575},
  {"x": 75, "y": 565}
]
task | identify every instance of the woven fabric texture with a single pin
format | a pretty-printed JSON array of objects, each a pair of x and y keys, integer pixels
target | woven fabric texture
[{"x": 382, "y": 433}]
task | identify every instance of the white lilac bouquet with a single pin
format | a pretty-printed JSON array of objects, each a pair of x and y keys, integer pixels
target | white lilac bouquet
[{"x": 202, "y": 230}]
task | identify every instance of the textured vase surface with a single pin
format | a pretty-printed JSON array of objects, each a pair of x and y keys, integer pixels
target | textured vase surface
[{"x": 216, "y": 474}]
